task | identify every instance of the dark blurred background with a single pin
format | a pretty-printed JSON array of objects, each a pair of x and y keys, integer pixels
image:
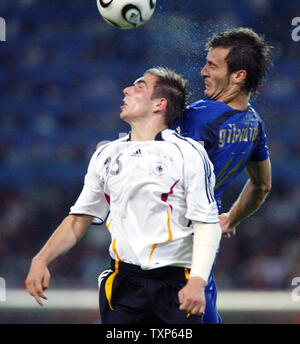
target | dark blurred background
[{"x": 62, "y": 72}]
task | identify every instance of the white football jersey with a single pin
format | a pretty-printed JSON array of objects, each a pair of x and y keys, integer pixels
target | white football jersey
[{"x": 153, "y": 190}]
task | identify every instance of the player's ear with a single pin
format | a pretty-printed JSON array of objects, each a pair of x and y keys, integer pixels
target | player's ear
[
  {"x": 160, "y": 105},
  {"x": 239, "y": 76}
]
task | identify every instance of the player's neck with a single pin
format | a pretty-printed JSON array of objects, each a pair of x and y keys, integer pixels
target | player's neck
[
  {"x": 238, "y": 101},
  {"x": 145, "y": 132}
]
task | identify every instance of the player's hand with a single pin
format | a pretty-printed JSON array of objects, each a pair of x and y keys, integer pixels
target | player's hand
[
  {"x": 192, "y": 296},
  {"x": 227, "y": 229},
  {"x": 38, "y": 280}
]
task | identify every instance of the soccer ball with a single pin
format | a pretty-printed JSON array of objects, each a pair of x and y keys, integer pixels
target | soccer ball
[{"x": 126, "y": 14}]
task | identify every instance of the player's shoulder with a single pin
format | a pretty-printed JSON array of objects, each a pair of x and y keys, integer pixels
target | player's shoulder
[
  {"x": 207, "y": 105},
  {"x": 186, "y": 144},
  {"x": 254, "y": 113},
  {"x": 206, "y": 109},
  {"x": 106, "y": 147}
]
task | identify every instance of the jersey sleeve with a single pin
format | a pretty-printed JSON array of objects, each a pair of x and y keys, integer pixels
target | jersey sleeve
[
  {"x": 91, "y": 200},
  {"x": 199, "y": 185},
  {"x": 261, "y": 150}
]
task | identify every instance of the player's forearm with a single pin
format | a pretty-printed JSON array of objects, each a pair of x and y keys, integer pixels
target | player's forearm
[
  {"x": 67, "y": 234},
  {"x": 249, "y": 201},
  {"x": 206, "y": 242}
]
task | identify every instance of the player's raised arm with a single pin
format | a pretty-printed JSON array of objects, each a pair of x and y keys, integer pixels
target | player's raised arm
[
  {"x": 67, "y": 234},
  {"x": 252, "y": 196}
]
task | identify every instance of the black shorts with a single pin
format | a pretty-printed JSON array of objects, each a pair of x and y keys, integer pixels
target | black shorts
[{"x": 130, "y": 295}]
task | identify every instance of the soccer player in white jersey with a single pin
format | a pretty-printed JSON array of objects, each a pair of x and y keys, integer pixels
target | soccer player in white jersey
[{"x": 154, "y": 183}]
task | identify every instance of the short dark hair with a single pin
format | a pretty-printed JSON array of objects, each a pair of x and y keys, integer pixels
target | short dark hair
[
  {"x": 174, "y": 88},
  {"x": 248, "y": 51}
]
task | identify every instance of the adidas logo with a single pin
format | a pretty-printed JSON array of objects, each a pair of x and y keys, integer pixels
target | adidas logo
[{"x": 137, "y": 153}]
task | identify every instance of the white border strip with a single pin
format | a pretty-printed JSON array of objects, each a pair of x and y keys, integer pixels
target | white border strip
[{"x": 236, "y": 301}]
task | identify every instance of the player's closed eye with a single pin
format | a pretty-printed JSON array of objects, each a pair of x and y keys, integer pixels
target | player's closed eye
[
  {"x": 140, "y": 85},
  {"x": 211, "y": 65}
]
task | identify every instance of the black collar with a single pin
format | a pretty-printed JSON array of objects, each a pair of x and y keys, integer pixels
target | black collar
[{"x": 158, "y": 137}]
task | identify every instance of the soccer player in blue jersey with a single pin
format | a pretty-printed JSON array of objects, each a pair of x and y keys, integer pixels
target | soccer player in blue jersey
[{"x": 233, "y": 132}]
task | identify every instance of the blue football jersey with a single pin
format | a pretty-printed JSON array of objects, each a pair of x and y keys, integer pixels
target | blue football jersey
[{"x": 231, "y": 138}]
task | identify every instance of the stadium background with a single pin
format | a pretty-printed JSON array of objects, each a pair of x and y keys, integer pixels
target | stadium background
[{"x": 62, "y": 71}]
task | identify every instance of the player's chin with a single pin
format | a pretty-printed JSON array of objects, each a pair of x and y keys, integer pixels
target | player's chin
[
  {"x": 124, "y": 115},
  {"x": 207, "y": 93},
  {"x": 206, "y": 88}
]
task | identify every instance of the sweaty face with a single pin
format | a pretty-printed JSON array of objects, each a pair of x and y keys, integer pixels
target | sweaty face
[
  {"x": 215, "y": 74},
  {"x": 137, "y": 100}
]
